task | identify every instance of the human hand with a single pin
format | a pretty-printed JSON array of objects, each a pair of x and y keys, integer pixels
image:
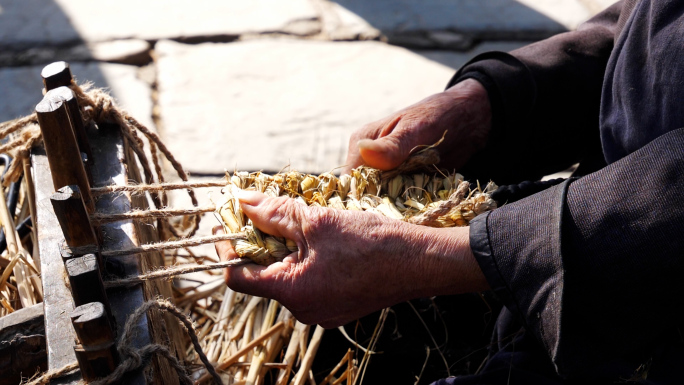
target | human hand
[
  {"x": 462, "y": 111},
  {"x": 350, "y": 263}
]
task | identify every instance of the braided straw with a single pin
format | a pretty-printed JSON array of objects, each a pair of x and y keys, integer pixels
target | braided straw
[{"x": 437, "y": 200}]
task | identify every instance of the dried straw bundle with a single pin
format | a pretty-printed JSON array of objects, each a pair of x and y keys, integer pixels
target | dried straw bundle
[
  {"x": 20, "y": 282},
  {"x": 438, "y": 200}
]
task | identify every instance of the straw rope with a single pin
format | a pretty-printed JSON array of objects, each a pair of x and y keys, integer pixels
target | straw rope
[{"x": 440, "y": 199}]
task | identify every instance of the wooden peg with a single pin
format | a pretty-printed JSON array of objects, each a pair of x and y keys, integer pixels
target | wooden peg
[
  {"x": 96, "y": 354},
  {"x": 76, "y": 122},
  {"x": 73, "y": 218},
  {"x": 56, "y": 74},
  {"x": 62, "y": 150},
  {"x": 67, "y": 252},
  {"x": 86, "y": 281},
  {"x": 91, "y": 323}
]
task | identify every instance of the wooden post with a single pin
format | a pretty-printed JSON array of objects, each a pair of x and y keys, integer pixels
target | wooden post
[
  {"x": 61, "y": 147},
  {"x": 73, "y": 217},
  {"x": 96, "y": 355},
  {"x": 57, "y": 74},
  {"x": 77, "y": 125},
  {"x": 86, "y": 281}
]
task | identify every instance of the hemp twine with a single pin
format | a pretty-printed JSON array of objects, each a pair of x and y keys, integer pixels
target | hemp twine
[
  {"x": 98, "y": 219},
  {"x": 166, "y": 273},
  {"x": 169, "y": 245},
  {"x": 138, "y": 189}
]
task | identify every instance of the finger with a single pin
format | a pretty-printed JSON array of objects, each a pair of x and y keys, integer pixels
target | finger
[
  {"x": 389, "y": 149},
  {"x": 255, "y": 279},
  {"x": 276, "y": 216},
  {"x": 224, "y": 249},
  {"x": 384, "y": 153}
]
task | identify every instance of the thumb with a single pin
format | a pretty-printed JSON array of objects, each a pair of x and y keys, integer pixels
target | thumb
[
  {"x": 383, "y": 153},
  {"x": 275, "y": 216}
]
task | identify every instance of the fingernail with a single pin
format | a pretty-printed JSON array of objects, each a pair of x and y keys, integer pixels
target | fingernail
[
  {"x": 367, "y": 144},
  {"x": 247, "y": 197}
]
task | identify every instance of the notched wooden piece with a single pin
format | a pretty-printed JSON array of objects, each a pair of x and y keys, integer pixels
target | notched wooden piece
[
  {"x": 96, "y": 354},
  {"x": 91, "y": 323},
  {"x": 86, "y": 283},
  {"x": 73, "y": 217}
]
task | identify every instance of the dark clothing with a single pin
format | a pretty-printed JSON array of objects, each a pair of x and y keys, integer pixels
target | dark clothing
[{"x": 593, "y": 269}]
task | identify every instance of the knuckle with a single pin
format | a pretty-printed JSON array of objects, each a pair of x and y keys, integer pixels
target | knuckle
[
  {"x": 319, "y": 221},
  {"x": 281, "y": 210}
]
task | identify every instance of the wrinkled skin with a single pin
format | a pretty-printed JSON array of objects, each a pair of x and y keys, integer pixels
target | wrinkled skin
[
  {"x": 351, "y": 263},
  {"x": 462, "y": 111}
]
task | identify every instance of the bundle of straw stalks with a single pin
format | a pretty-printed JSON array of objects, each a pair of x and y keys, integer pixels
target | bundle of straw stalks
[
  {"x": 437, "y": 200},
  {"x": 20, "y": 283}
]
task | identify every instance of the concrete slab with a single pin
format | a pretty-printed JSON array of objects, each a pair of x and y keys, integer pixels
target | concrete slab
[
  {"x": 261, "y": 105},
  {"x": 414, "y": 23},
  {"x": 22, "y": 88},
  {"x": 127, "y": 51},
  {"x": 458, "y": 59},
  {"x": 29, "y": 23},
  {"x": 341, "y": 24}
]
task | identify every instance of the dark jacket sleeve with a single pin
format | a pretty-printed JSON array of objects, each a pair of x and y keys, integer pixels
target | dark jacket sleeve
[
  {"x": 545, "y": 99},
  {"x": 596, "y": 272}
]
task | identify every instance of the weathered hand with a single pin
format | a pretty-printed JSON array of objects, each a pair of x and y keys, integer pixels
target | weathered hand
[
  {"x": 463, "y": 111},
  {"x": 350, "y": 263}
]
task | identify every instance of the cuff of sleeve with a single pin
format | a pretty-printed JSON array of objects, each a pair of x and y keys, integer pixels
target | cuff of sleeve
[
  {"x": 482, "y": 250},
  {"x": 518, "y": 248}
]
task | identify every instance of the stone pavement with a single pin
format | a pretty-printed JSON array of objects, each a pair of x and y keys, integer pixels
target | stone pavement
[{"x": 261, "y": 84}]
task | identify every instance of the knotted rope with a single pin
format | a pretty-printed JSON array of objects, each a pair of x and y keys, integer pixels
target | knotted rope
[{"x": 134, "y": 359}]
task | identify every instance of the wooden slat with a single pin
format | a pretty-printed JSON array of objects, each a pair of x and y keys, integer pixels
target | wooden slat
[
  {"x": 23, "y": 350},
  {"x": 57, "y": 301}
]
